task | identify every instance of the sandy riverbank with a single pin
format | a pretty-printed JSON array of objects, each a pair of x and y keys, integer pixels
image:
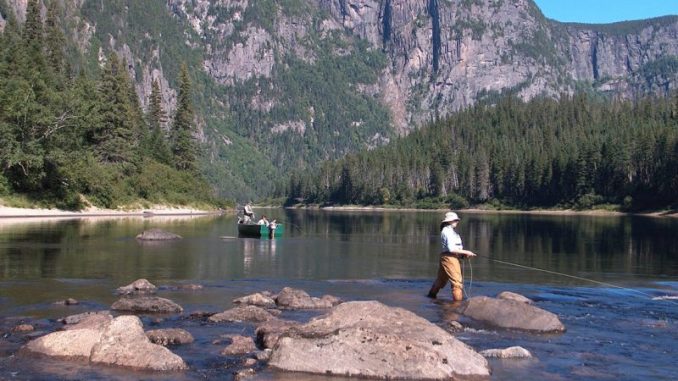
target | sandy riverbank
[
  {"x": 562, "y": 212},
  {"x": 17, "y": 213}
]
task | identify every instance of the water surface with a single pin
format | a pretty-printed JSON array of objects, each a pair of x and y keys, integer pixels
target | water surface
[{"x": 615, "y": 330}]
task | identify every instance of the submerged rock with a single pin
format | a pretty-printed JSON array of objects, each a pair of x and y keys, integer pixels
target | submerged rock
[
  {"x": 169, "y": 336},
  {"x": 67, "y": 302},
  {"x": 507, "y": 353},
  {"x": 150, "y": 304},
  {"x": 157, "y": 235},
  {"x": 239, "y": 345},
  {"x": 23, "y": 328},
  {"x": 138, "y": 286},
  {"x": 508, "y": 295},
  {"x": 292, "y": 298},
  {"x": 511, "y": 314},
  {"x": 369, "y": 339},
  {"x": 243, "y": 314},
  {"x": 257, "y": 299},
  {"x": 124, "y": 343}
]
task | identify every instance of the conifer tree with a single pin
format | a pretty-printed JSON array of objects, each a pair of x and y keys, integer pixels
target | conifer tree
[
  {"x": 157, "y": 119},
  {"x": 184, "y": 145},
  {"x": 54, "y": 41}
]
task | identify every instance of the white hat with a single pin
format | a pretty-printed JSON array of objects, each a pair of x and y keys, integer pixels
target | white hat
[{"x": 450, "y": 216}]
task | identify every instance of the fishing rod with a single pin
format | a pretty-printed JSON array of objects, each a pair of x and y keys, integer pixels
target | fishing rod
[{"x": 561, "y": 274}]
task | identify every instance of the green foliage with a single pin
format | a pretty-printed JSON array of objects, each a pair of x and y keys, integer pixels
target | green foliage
[
  {"x": 184, "y": 145},
  {"x": 66, "y": 140},
  {"x": 579, "y": 152}
]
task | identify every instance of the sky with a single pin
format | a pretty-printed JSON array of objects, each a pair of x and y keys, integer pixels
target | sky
[{"x": 606, "y": 11}]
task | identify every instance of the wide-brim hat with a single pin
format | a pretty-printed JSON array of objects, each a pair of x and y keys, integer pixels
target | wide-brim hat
[{"x": 450, "y": 216}]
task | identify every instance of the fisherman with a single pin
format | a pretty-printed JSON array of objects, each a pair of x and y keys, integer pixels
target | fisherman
[
  {"x": 271, "y": 228},
  {"x": 248, "y": 212},
  {"x": 263, "y": 220},
  {"x": 452, "y": 251}
]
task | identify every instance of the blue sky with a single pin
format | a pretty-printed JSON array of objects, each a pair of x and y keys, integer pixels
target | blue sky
[{"x": 606, "y": 11}]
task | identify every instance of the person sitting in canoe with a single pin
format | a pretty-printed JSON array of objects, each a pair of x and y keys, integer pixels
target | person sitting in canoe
[{"x": 263, "y": 220}]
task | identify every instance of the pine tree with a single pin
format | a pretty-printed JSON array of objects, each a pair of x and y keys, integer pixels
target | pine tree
[
  {"x": 55, "y": 41},
  {"x": 184, "y": 145},
  {"x": 114, "y": 138},
  {"x": 156, "y": 143}
]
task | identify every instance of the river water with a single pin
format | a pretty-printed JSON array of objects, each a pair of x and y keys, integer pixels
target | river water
[{"x": 622, "y": 328}]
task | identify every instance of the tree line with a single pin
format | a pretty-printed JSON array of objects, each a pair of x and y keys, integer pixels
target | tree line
[
  {"x": 575, "y": 152},
  {"x": 67, "y": 133}
]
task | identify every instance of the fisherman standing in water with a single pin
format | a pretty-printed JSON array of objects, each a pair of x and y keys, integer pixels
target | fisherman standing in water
[{"x": 452, "y": 252}]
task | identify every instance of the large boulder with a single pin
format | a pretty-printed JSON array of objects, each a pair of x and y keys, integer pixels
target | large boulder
[
  {"x": 72, "y": 344},
  {"x": 138, "y": 286},
  {"x": 146, "y": 304},
  {"x": 292, "y": 298},
  {"x": 169, "y": 336},
  {"x": 243, "y": 314},
  {"x": 511, "y": 314},
  {"x": 371, "y": 340},
  {"x": 157, "y": 235},
  {"x": 124, "y": 343},
  {"x": 258, "y": 299}
]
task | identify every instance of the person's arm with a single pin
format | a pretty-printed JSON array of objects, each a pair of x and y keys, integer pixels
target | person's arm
[{"x": 466, "y": 253}]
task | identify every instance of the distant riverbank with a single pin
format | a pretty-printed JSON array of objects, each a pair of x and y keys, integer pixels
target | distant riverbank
[
  {"x": 564, "y": 212},
  {"x": 159, "y": 210}
]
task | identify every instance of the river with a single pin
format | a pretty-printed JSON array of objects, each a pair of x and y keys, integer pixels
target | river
[{"x": 620, "y": 318}]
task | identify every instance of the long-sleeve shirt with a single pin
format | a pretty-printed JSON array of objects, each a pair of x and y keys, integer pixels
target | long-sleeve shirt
[{"x": 450, "y": 240}]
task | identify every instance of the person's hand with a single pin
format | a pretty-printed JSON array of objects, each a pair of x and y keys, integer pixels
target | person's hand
[{"x": 470, "y": 254}]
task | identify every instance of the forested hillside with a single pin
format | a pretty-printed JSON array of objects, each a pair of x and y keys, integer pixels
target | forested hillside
[
  {"x": 576, "y": 152},
  {"x": 70, "y": 136}
]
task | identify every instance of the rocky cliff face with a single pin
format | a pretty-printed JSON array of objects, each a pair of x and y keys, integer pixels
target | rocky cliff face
[{"x": 305, "y": 80}]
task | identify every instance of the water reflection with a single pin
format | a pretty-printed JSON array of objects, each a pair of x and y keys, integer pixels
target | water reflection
[{"x": 341, "y": 245}]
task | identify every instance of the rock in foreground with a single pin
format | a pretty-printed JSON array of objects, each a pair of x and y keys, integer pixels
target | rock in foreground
[
  {"x": 512, "y": 315},
  {"x": 157, "y": 235},
  {"x": 124, "y": 343},
  {"x": 150, "y": 304},
  {"x": 370, "y": 339}
]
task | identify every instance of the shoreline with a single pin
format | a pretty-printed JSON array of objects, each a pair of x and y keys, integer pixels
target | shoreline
[
  {"x": 560, "y": 212},
  {"x": 10, "y": 213}
]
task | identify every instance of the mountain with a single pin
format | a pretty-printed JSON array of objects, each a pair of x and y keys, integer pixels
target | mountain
[{"x": 288, "y": 83}]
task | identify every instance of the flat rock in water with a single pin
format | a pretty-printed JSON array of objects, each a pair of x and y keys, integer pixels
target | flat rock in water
[
  {"x": 91, "y": 321},
  {"x": 511, "y": 314},
  {"x": 157, "y": 235},
  {"x": 257, "y": 299},
  {"x": 292, "y": 298},
  {"x": 269, "y": 332},
  {"x": 148, "y": 304},
  {"x": 75, "y": 319},
  {"x": 23, "y": 328},
  {"x": 138, "y": 286},
  {"x": 508, "y": 295},
  {"x": 169, "y": 336},
  {"x": 507, "y": 353},
  {"x": 124, "y": 343},
  {"x": 372, "y": 340},
  {"x": 243, "y": 314},
  {"x": 67, "y": 302},
  {"x": 240, "y": 345}
]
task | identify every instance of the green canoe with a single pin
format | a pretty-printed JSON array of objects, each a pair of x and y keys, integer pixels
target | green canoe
[{"x": 254, "y": 230}]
